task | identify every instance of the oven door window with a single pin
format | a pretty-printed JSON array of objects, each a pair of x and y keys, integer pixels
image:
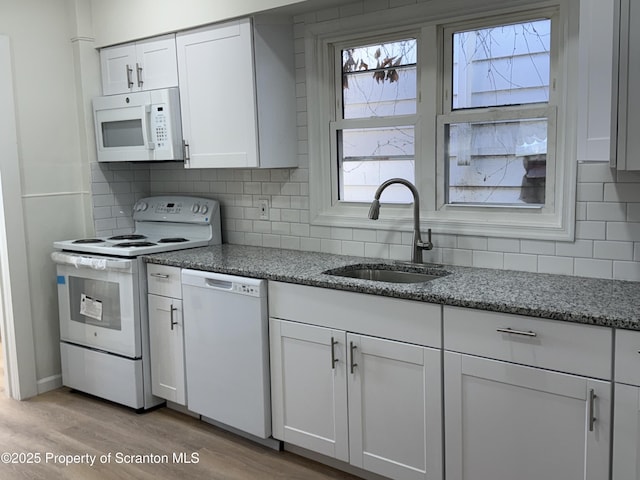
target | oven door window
[{"x": 95, "y": 302}]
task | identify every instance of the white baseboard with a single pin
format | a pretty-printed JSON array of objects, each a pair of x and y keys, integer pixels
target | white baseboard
[{"x": 49, "y": 383}]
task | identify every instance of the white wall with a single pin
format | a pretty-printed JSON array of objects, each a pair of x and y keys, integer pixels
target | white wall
[
  {"x": 54, "y": 176},
  {"x": 118, "y": 21}
]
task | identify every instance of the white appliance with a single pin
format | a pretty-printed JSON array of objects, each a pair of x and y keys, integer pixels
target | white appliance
[
  {"x": 102, "y": 291},
  {"x": 140, "y": 126},
  {"x": 226, "y": 350}
]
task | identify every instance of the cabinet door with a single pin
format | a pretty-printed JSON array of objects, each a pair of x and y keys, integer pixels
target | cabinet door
[
  {"x": 217, "y": 96},
  {"x": 156, "y": 63},
  {"x": 626, "y": 433},
  {"x": 167, "y": 348},
  {"x": 309, "y": 387},
  {"x": 505, "y": 421},
  {"x": 395, "y": 421},
  {"x": 118, "y": 66},
  {"x": 628, "y": 112}
]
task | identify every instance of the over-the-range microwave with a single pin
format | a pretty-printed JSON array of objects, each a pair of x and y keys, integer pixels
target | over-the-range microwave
[{"x": 140, "y": 126}]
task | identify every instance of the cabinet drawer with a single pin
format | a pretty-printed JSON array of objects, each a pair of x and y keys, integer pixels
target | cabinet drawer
[
  {"x": 627, "y": 357},
  {"x": 377, "y": 316},
  {"x": 164, "y": 280},
  {"x": 554, "y": 345}
]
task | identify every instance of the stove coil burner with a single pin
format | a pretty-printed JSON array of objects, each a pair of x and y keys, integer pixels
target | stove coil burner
[
  {"x": 173, "y": 240},
  {"x": 88, "y": 240},
  {"x": 131, "y": 236},
  {"x": 134, "y": 244}
]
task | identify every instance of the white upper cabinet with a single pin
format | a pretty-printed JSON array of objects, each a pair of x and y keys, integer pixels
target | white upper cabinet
[
  {"x": 626, "y": 121},
  {"x": 595, "y": 80},
  {"x": 237, "y": 93},
  {"x": 144, "y": 65}
]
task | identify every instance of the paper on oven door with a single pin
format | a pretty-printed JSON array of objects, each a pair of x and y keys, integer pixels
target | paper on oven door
[{"x": 90, "y": 307}]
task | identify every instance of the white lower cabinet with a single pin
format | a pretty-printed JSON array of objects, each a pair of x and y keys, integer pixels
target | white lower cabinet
[
  {"x": 363, "y": 400},
  {"x": 626, "y": 429},
  {"x": 507, "y": 420},
  {"x": 166, "y": 334},
  {"x": 373, "y": 402}
]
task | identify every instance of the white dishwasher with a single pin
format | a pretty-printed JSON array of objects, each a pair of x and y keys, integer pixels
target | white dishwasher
[{"x": 227, "y": 350}]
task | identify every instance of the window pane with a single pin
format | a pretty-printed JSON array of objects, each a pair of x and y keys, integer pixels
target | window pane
[
  {"x": 501, "y": 163},
  {"x": 379, "y": 80},
  {"x": 372, "y": 155},
  {"x": 503, "y": 65}
]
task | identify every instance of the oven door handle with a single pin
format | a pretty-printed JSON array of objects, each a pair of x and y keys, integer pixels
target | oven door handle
[{"x": 94, "y": 263}]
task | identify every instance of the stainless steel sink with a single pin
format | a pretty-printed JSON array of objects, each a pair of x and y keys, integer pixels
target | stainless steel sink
[{"x": 389, "y": 273}]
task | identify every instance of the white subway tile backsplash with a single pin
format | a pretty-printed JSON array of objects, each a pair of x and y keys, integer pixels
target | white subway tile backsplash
[
  {"x": 590, "y": 192},
  {"x": 626, "y": 271},
  {"x": 364, "y": 235},
  {"x": 607, "y": 211},
  {"x": 273, "y": 241},
  {"x": 310, "y": 244},
  {"x": 579, "y": 248},
  {"x": 591, "y": 230},
  {"x": 320, "y": 232},
  {"x": 587, "y": 267},
  {"x": 353, "y": 248},
  {"x": 488, "y": 259},
  {"x": 511, "y": 245},
  {"x": 613, "y": 250},
  {"x": 340, "y": 233},
  {"x": 625, "y": 231},
  {"x": 331, "y": 246},
  {"x": 621, "y": 192},
  {"x": 595, "y": 172},
  {"x": 292, "y": 243},
  {"x": 403, "y": 253},
  {"x": 539, "y": 247},
  {"x": 387, "y": 236},
  {"x": 472, "y": 243},
  {"x": 455, "y": 256},
  {"x": 521, "y": 262},
  {"x": 378, "y": 250},
  {"x": 556, "y": 265},
  {"x": 633, "y": 212}
]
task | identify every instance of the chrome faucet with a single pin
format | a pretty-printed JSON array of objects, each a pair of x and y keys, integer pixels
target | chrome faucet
[{"x": 418, "y": 244}]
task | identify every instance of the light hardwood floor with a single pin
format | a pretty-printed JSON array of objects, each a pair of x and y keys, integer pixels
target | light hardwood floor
[{"x": 68, "y": 423}]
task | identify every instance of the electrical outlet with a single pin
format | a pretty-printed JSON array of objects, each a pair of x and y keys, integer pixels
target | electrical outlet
[{"x": 263, "y": 209}]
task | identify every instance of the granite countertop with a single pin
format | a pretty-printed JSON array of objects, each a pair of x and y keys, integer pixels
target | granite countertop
[{"x": 611, "y": 303}]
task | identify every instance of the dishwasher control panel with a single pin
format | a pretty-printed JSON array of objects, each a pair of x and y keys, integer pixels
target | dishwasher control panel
[{"x": 252, "y": 290}]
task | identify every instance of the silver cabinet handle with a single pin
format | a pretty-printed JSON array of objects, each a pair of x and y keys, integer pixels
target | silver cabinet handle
[
  {"x": 352, "y": 364},
  {"x": 510, "y": 331},
  {"x": 185, "y": 147},
  {"x": 592, "y": 406},
  {"x": 334, "y": 360},
  {"x": 173, "y": 309},
  {"x": 139, "y": 74},
  {"x": 159, "y": 275},
  {"x": 129, "y": 72}
]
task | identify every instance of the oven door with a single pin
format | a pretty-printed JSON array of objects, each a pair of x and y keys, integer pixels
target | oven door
[{"x": 98, "y": 299}]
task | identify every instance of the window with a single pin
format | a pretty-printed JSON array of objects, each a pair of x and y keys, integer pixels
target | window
[
  {"x": 375, "y": 126},
  {"x": 473, "y": 113},
  {"x": 494, "y": 155}
]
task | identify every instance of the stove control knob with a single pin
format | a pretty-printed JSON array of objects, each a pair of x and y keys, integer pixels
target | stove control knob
[
  {"x": 204, "y": 209},
  {"x": 195, "y": 208},
  {"x": 141, "y": 207}
]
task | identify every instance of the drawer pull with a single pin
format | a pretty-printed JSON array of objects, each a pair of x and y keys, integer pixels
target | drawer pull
[
  {"x": 159, "y": 275},
  {"x": 334, "y": 360},
  {"x": 592, "y": 407},
  {"x": 510, "y": 331},
  {"x": 352, "y": 364}
]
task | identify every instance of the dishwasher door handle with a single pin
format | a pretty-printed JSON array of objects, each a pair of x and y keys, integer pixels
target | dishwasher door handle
[{"x": 218, "y": 284}]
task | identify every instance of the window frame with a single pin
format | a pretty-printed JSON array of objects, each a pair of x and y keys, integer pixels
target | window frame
[{"x": 555, "y": 222}]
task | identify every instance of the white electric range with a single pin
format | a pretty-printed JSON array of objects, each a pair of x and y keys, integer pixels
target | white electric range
[{"x": 102, "y": 296}]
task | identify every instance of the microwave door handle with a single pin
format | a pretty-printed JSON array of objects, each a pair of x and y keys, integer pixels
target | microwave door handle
[{"x": 149, "y": 128}]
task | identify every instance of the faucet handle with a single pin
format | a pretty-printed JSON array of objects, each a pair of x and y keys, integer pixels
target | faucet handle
[{"x": 426, "y": 245}]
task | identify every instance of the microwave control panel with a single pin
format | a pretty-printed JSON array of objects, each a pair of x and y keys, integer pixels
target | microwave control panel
[{"x": 159, "y": 127}]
